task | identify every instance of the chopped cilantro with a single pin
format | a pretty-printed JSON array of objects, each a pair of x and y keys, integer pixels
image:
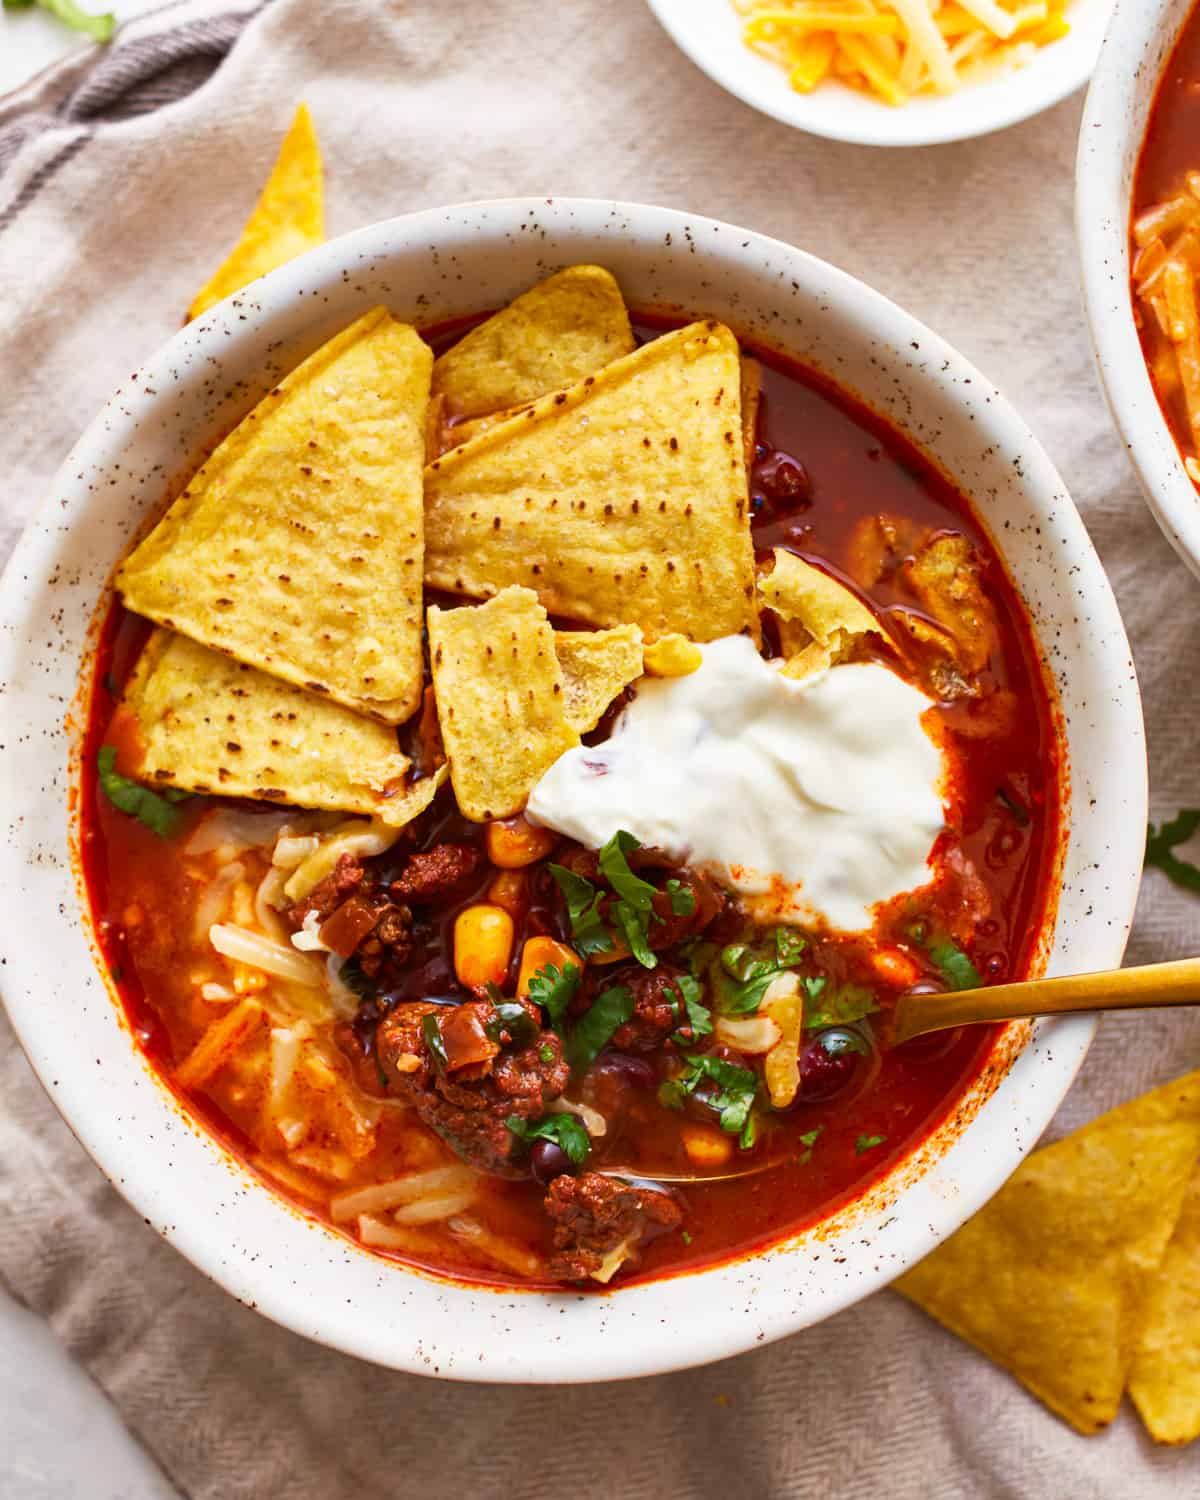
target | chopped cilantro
[
  {"x": 512, "y": 1021},
  {"x": 546, "y": 1053},
  {"x": 583, "y": 908},
  {"x": 610, "y": 1009},
  {"x": 953, "y": 964},
  {"x": 840, "y": 1006},
  {"x": 685, "y": 1237},
  {"x": 554, "y": 989},
  {"x": 813, "y": 985},
  {"x": 733, "y": 1097},
  {"x": 672, "y": 1093},
  {"x": 699, "y": 1017},
  {"x": 698, "y": 956},
  {"x": 634, "y": 925},
  {"x": 868, "y": 1143},
  {"x": 808, "y": 1140},
  {"x": 631, "y": 888},
  {"x": 741, "y": 978},
  {"x": 432, "y": 1033},
  {"x": 565, "y": 1130},
  {"x": 99, "y": 28},
  {"x": 789, "y": 945},
  {"x": 683, "y": 902},
  {"x": 138, "y": 801},
  {"x": 1161, "y": 843}
]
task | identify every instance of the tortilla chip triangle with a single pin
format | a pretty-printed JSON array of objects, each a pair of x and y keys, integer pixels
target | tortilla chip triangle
[
  {"x": 288, "y": 219},
  {"x": 1164, "y": 1382},
  {"x": 209, "y": 724},
  {"x": 298, "y": 547},
  {"x": 500, "y": 700},
  {"x": 1049, "y": 1279},
  {"x": 620, "y": 501},
  {"x": 819, "y": 617},
  {"x": 596, "y": 665},
  {"x": 564, "y": 328}
]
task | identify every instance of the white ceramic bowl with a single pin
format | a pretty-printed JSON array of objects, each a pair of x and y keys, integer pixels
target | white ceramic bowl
[
  {"x": 1135, "y": 51},
  {"x": 710, "y": 32},
  {"x": 431, "y": 266}
]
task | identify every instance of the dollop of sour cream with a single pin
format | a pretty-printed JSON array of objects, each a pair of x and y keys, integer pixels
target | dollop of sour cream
[{"x": 817, "y": 798}]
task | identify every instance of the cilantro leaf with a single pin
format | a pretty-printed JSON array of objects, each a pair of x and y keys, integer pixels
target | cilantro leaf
[
  {"x": 839, "y": 1006},
  {"x": 610, "y": 1009},
  {"x": 634, "y": 926},
  {"x": 1162, "y": 842},
  {"x": 699, "y": 1017},
  {"x": 683, "y": 901},
  {"x": 742, "y": 978},
  {"x": 954, "y": 966},
  {"x": 510, "y": 1020},
  {"x": 583, "y": 908},
  {"x": 789, "y": 945},
  {"x": 432, "y": 1034},
  {"x": 868, "y": 1143},
  {"x": 565, "y": 1130},
  {"x": 631, "y": 888},
  {"x": 131, "y": 797},
  {"x": 808, "y": 1140},
  {"x": 554, "y": 989},
  {"x": 99, "y": 28},
  {"x": 733, "y": 1098}
]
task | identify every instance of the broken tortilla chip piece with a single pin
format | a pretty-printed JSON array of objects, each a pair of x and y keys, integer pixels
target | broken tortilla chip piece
[
  {"x": 500, "y": 700},
  {"x": 551, "y": 336},
  {"x": 288, "y": 219},
  {"x": 298, "y": 547},
  {"x": 1164, "y": 1381},
  {"x": 209, "y": 724},
  {"x": 620, "y": 501},
  {"x": 820, "y": 618},
  {"x": 596, "y": 665},
  {"x": 673, "y": 656},
  {"x": 1049, "y": 1279}
]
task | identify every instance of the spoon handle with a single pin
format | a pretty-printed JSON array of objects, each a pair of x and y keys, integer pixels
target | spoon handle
[{"x": 1149, "y": 986}]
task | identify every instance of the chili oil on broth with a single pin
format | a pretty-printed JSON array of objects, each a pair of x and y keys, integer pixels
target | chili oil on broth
[
  {"x": 822, "y": 464},
  {"x": 1167, "y": 175}
]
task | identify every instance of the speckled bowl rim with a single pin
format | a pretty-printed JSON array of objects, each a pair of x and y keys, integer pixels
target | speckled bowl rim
[
  {"x": 842, "y": 115},
  {"x": 1135, "y": 51},
  {"x": 432, "y": 265}
]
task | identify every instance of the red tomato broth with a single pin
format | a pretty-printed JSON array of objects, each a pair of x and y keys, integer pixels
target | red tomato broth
[
  {"x": 856, "y": 465},
  {"x": 1170, "y": 151}
]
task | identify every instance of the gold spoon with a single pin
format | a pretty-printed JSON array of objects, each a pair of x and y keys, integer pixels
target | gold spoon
[{"x": 1147, "y": 987}]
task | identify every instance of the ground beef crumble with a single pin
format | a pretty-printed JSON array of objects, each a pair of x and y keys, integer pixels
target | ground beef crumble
[{"x": 594, "y": 1215}]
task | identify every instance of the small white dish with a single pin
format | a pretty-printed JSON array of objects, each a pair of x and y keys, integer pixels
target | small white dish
[
  {"x": 710, "y": 32},
  {"x": 430, "y": 267},
  {"x": 1135, "y": 52}
]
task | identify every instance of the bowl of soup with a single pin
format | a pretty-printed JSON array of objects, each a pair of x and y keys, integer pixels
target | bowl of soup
[
  {"x": 1136, "y": 183},
  {"x": 547, "y": 678}
]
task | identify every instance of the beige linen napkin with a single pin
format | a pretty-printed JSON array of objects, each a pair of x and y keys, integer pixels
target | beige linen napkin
[{"x": 427, "y": 103}]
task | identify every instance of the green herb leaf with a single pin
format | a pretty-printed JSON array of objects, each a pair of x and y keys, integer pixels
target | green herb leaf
[
  {"x": 699, "y": 1017},
  {"x": 789, "y": 945},
  {"x": 954, "y": 966},
  {"x": 698, "y": 956},
  {"x": 131, "y": 797},
  {"x": 512, "y": 1018},
  {"x": 813, "y": 985},
  {"x": 632, "y": 889},
  {"x": 1161, "y": 844},
  {"x": 432, "y": 1033},
  {"x": 610, "y": 1009},
  {"x": 99, "y": 28},
  {"x": 583, "y": 908},
  {"x": 565, "y": 1130},
  {"x": 733, "y": 1097},
  {"x": 634, "y": 927},
  {"x": 868, "y": 1143},
  {"x": 840, "y": 1007},
  {"x": 685, "y": 1237},
  {"x": 546, "y": 1053},
  {"x": 683, "y": 901},
  {"x": 672, "y": 1093},
  {"x": 554, "y": 989},
  {"x": 808, "y": 1140},
  {"x": 742, "y": 978}
]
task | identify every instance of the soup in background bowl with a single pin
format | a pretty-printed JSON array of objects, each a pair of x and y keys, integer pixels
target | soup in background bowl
[{"x": 854, "y": 391}]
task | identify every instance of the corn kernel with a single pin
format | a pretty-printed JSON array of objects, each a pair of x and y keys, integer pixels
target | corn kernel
[
  {"x": 510, "y": 889},
  {"x": 537, "y": 953},
  {"x": 483, "y": 944},
  {"x": 514, "y": 843},
  {"x": 705, "y": 1147},
  {"x": 672, "y": 656},
  {"x": 894, "y": 967}
]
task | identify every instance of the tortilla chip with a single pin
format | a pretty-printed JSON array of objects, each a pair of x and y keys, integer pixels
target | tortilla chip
[
  {"x": 828, "y": 614},
  {"x": 946, "y": 576},
  {"x": 209, "y": 724},
  {"x": 500, "y": 700},
  {"x": 298, "y": 546},
  {"x": 1050, "y": 1278},
  {"x": 596, "y": 665},
  {"x": 620, "y": 501},
  {"x": 551, "y": 336},
  {"x": 288, "y": 219},
  {"x": 1165, "y": 1379},
  {"x": 751, "y": 402}
]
